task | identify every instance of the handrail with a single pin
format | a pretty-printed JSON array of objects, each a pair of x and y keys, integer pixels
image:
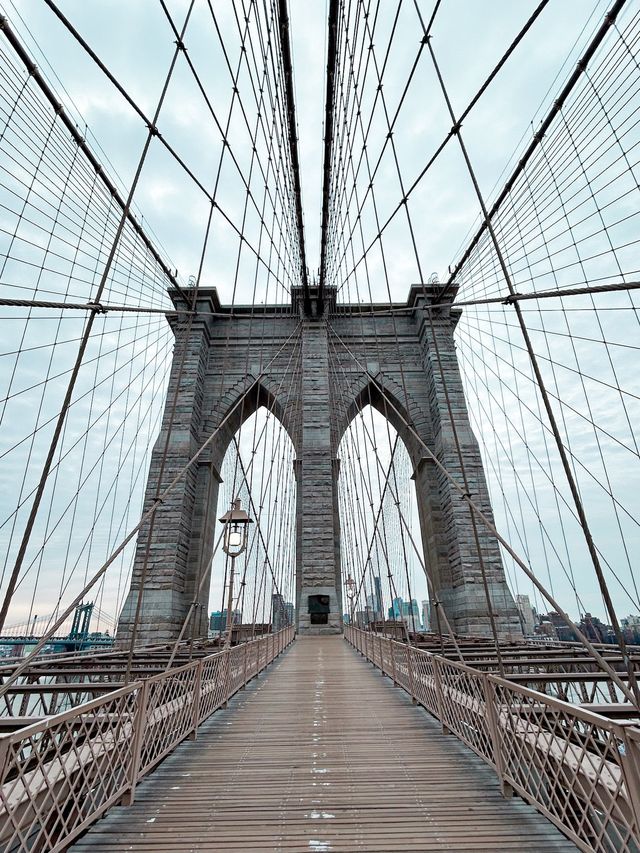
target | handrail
[
  {"x": 580, "y": 769},
  {"x": 50, "y": 769}
]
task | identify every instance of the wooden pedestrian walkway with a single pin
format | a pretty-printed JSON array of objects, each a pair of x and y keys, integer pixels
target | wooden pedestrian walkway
[{"x": 321, "y": 753}]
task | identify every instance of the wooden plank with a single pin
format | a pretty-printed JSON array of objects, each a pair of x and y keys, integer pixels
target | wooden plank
[{"x": 321, "y": 753}]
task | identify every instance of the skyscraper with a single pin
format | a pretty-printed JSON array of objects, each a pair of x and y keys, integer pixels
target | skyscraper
[
  {"x": 526, "y": 614},
  {"x": 426, "y": 615},
  {"x": 277, "y": 611},
  {"x": 377, "y": 586}
]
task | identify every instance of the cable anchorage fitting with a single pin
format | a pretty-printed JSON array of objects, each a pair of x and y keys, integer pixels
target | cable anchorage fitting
[{"x": 511, "y": 299}]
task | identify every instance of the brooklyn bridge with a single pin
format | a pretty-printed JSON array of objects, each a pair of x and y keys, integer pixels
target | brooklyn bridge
[{"x": 319, "y": 391}]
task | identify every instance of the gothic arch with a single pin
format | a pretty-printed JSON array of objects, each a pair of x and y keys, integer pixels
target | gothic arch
[
  {"x": 390, "y": 407},
  {"x": 330, "y": 388},
  {"x": 236, "y": 407}
]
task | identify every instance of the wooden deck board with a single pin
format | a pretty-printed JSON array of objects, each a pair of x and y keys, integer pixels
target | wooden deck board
[{"x": 321, "y": 753}]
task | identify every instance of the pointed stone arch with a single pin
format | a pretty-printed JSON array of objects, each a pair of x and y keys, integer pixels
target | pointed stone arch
[
  {"x": 343, "y": 361},
  {"x": 218, "y": 390},
  {"x": 383, "y": 397}
]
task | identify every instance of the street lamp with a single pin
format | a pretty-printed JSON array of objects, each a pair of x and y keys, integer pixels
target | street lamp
[
  {"x": 236, "y": 528},
  {"x": 350, "y": 585}
]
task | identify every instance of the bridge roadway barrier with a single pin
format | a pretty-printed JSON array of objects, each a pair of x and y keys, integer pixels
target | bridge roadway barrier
[
  {"x": 60, "y": 774},
  {"x": 579, "y": 769},
  {"x": 322, "y": 754}
]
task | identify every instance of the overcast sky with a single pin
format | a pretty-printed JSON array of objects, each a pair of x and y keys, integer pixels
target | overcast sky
[{"x": 134, "y": 40}]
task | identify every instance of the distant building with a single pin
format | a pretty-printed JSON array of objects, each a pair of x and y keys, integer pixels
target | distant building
[
  {"x": 278, "y": 613},
  {"x": 631, "y": 629},
  {"x": 218, "y": 620},
  {"x": 290, "y": 610},
  {"x": 426, "y": 615},
  {"x": 377, "y": 587},
  {"x": 406, "y": 611},
  {"x": 526, "y": 615},
  {"x": 560, "y": 628},
  {"x": 411, "y": 614},
  {"x": 362, "y": 618},
  {"x": 596, "y": 630},
  {"x": 395, "y": 611},
  {"x": 282, "y": 612}
]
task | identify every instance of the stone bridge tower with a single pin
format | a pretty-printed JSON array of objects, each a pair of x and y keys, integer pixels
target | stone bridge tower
[{"x": 244, "y": 355}]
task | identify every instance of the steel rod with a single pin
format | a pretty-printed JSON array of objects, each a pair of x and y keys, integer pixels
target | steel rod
[
  {"x": 582, "y": 638},
  {"x": 557, "y": 106}
]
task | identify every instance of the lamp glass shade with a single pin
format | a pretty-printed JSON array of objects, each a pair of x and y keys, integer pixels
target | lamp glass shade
[
  {"x": 236, "y": 522},
  {"x": 235, "y": 539}
]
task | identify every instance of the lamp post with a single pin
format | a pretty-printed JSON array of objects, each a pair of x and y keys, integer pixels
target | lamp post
[
  {"x": 350, "y": 585},
  {"x": 236, "y": 527}
]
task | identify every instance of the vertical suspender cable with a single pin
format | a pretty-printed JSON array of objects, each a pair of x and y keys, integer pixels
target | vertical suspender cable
[
  {"x": 332, "y": 57},
  {"x": 285, "y": 46}
]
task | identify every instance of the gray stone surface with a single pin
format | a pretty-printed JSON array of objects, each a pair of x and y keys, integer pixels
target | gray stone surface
[{"x": 315, "y": 388}]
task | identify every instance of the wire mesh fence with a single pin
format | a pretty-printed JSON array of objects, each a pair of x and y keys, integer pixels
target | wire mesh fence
[
  {"x": 581, "y": 770},
  {"x": 58, "y": 775}
]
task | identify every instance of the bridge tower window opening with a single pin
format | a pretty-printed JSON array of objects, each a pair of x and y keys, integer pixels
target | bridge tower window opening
[
  {"x": 382, "y": 555},
  {"x": 258, "y": 472}
]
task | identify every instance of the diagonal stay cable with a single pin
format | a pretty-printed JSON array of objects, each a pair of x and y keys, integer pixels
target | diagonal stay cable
[
  {"x": 83, "y": 345},
  {"x": 580, "y": 68},
  {"x": 151, "y": 123},
  {"x": 486, "y": 521},
  {"x": 26, "y": 661},
  {"x": 571, "y": 481}
]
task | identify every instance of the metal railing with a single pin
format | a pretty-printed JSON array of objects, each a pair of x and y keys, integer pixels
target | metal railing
[
  {"x": 60, "y": 774},
  {"x": 578, "y": 768}
]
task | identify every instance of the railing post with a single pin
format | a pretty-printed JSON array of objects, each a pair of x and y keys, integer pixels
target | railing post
[
  {"x": 197, "y": 693},
  {"x": 492, "y": 721},
  {"x": 244, "y": 666},
  {"x": 630, "y": 761},
  {"x": 381, "y": 656},
  {"x": 4, "y": 754},
  {"x": 437, "y": 676},
  {"x": 139, "y": 726},
  {"x": 393, "y": 662},
  {"x": 410, "y": 673},
  {"x": 227, "y": 672}
]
